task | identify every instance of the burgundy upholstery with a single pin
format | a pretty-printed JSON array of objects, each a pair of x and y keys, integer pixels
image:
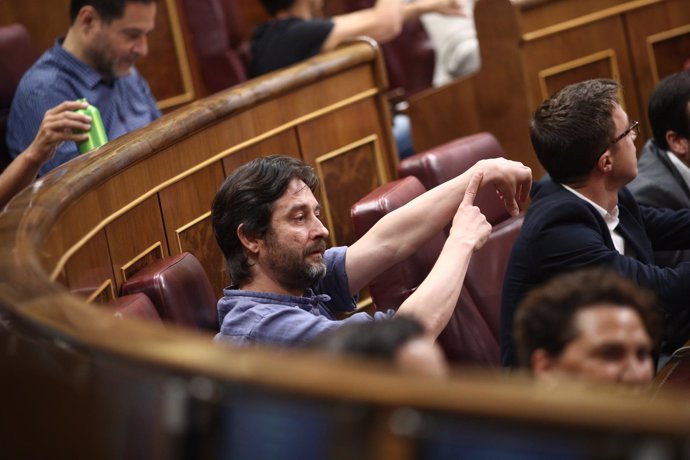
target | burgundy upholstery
[
  {"x": 451, "y": 159},
  {"x": 217, "y": 31},
  {"x": 409, "y": 58},
  {"x": 180, "y": 290},
  {"x": 137, "y": 305},
  {"x": 17, "y": 54},
  {"x": 392, "y": 287},
  {"x": 472, "y": 334},
  {"x": 676, "y": 373}
]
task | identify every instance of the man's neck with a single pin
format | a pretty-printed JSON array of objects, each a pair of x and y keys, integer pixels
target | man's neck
[
  {"x": 599, "y": 191},
  {"x": 265, "y": 284},
  {"x": 74, "y": 46}
]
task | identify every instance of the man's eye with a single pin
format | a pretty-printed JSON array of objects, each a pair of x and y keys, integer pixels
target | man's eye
[
  {"x": 299, "y": 218},
  {"x": 611, "y": 353}
]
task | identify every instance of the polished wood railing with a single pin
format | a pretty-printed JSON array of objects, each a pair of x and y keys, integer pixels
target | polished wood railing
[{"x": 78, "y": 382}]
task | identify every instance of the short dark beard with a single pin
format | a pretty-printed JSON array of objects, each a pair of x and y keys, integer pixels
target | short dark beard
[{"x": 294, "y": 273}]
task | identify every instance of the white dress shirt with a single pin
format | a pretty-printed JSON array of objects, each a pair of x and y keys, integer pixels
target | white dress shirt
[{"x": 611, "y": 219}]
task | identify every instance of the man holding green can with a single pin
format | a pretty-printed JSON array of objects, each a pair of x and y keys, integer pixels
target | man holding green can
[{"x": 94, "y": 61}]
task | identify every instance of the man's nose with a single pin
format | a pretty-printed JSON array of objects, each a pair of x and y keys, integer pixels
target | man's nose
[
  {"x": 637, "y": 372},
  {"x": 320, "y": 229},
  {"x": 141, "y": 47}
]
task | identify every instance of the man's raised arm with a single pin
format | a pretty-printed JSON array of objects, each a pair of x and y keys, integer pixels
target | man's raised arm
[
  {"x": 434, "y": 300},
  {"x": 400, "y": 233}
]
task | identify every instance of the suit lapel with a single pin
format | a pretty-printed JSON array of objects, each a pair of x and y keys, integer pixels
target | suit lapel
[{"x": 666, "y": 161}]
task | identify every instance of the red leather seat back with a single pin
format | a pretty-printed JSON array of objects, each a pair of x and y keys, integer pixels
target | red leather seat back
[
  {"x": 17, "y": 54},
  {"x": 468, "y": 338},
  {"x": 217, "y": 31},
  {"x": 393, "y": 286},
  {"x": 180, "y": 290},
  {"x": 487, "y": 269},
  {"x": 472, "y": 334},
  {"x": 451, "y": 159},
  {"x": 137, "y": 305},
  {"x": 676, "y": 373},
  {"x": 410, "y": 59}
]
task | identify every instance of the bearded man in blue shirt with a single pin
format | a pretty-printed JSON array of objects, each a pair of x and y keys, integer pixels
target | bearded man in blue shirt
[
  {"x": 288, "y": 288},
  {"x": 95, "y": 60}
]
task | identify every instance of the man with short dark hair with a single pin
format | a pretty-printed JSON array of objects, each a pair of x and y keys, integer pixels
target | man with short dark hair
[
  {"x": 583, "y": 215},
  {"x": 288, "y": 288},
  {"x": 588, "y": 325},
  {"x": 95, "y": 60},
  {"x": 400, "y": 340},
  {"x": 663, "y": 179}
]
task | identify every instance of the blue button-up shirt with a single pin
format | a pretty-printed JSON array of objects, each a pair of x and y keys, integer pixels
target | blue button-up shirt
[
  {"x": 125, "y": 103},
  {"x": 278, "y": 319}
]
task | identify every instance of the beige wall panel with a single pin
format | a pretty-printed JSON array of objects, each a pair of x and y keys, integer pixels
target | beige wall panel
[
  {"x": 551, "y": 12},
  {"x": 599, "y": 65},
  {"x": 595, "y": 50},
  {"x": 659, "y": 44},
  {"x": 89, "y": 271},
  {"x": 356, "y": 167},
  {"x": 352, "y": 174},
  {"x": 284, "y": 143},
  {"x": 186, "y": 207},
  {"x": 130, "y": 254},
  {"x": 76, "y": 222}
]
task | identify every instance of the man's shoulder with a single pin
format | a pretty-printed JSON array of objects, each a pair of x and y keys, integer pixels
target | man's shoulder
[
  {"x": 656, "y": 184},
  {"x": 44, "y": 74},
  {"x": 552, "y": 205},
  {"x": 549, "y": 196}
]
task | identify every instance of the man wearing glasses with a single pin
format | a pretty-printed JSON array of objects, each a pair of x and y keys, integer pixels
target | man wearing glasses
[{"x": 583, "y": 215}]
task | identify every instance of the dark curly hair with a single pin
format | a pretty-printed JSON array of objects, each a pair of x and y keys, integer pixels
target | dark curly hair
[
  {"x": 247, "y": 197},
  {"x": 544, "y": 319}
]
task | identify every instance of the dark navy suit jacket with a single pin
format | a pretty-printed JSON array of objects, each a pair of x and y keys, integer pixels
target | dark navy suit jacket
[{"x": 562, "y": 232}]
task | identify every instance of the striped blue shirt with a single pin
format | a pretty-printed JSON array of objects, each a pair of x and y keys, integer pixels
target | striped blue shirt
[
  {"x": 248, "y": 317},
  {"x": 125, "y": 103}
]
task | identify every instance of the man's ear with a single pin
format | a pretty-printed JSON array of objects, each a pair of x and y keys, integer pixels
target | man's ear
[
  {"x": 541, "y": 362},
  {"x": 250, "y": 242},
  {"x": 678, "y": 144},
  {"x": 87, "y": 17},
  {"x": 605, "y": 162}
]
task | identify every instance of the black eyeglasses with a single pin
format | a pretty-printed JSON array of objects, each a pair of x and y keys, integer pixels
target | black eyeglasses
[{"x": 634, "y": 129}]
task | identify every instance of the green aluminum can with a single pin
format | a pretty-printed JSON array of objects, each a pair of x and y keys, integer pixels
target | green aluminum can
[{"x": 97, "y": 135}]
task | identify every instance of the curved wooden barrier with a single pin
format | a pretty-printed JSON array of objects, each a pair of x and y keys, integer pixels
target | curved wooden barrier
[
  {"x": 542, "y": 46},
  {"x": 79, "y": 383}
]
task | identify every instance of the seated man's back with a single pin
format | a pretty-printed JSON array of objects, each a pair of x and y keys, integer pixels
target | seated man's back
[
  {"x": 296, "y": 32},
  {"x": 584, "y": 216}
]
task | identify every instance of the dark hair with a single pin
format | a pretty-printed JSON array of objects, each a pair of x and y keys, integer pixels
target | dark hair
[
  {"x": 668, "y": 107},
  {"x": 544, "y": 319},
  {"x": 108, "y": 10},
  {"x": 572, "y": 128},
  {"x": 247, "y": 197},
  {"x": 275, "y": 6},
  {"x": 374, "y": 339}
]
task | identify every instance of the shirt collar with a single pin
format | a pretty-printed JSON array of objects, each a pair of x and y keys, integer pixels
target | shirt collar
[
  {"x": 682, "y": 168},
  {"x": 87, "y": 74},
  {"x": 611, "y": 218}
]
